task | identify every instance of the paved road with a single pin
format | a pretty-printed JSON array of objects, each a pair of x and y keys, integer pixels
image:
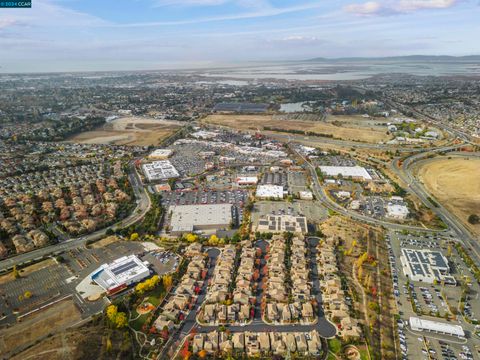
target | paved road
[
  {"x": 143, "y": 205},
  {"x": 414, "y": 186},
  {"x": 321, "y": 195}
]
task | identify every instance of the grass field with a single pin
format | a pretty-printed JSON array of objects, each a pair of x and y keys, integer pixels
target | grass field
[
  {"x": 455, "y": 184},
  {"x": 340, "y": 127},
  {"x": 129, "y": 131}
]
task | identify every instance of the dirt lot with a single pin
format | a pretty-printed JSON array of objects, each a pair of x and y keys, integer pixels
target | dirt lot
[
  {"x": 454, "y": 183},
  {"x": 104, "y": 242},
  {"x": 338, "y": 127},
  {"x": 37, "y": 325},
  {"x": 129, "y": 131},
  {"x": 85, "y": 342}
]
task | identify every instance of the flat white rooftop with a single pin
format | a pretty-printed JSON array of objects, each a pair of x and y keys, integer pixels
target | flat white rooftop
[
  {"x": 160, "y": 153},
  {"x": 121, "y": 271},
  {"x": 346, "y": 171},
  {"x": 160, "y": 170},
  {"x": 396, "y": 210},
  {"x": 436, "y": 326},
  {"x": 270, "y": 191},
  {"x": 187, "y": 218}
]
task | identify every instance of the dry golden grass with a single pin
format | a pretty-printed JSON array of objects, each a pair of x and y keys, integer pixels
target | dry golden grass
[
  {"x": 104, "y": 242},
  {"x": 344, "y": 131},
  {"x": 134, "y": 131},
  {"x": 38, "y": 325},
  {"x": 455, "y": 184}
]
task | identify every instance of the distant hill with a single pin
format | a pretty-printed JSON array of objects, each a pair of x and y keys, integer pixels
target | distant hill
[{"x": 426, "y": 58}]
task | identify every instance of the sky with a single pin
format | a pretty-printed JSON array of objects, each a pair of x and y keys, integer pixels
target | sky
[{"x": 81, "y": 35}]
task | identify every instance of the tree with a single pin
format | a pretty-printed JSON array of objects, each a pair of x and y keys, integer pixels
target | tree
[
  {"x": 121, "y": 320},
  {"x": 16, "y": 274},
  {"x": 109, "y": 345},
  {"x": 191, "y": 238},
  {"x": 474, "y": 219},
  {"x": 167, "y": 281},
  {"x": 213, "y": 240},
  {"x": 202, "y": 354},
  {"x": 112, "y": 311},
  {"x": 134, "y": 236}
]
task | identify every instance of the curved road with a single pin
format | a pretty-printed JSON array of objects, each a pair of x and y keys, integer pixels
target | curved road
[
  {"x": 414, "y": 186},
  {"x": 329, "y": 203},
  {"x": 143, "y": 205}
]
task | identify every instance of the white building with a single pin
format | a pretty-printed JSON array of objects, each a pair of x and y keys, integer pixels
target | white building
[
  {"x": 268, "y": 191},
  {"x": 437, "y": 327},
  {"x": 247, "y": 180},
  {"x": 355, "y": 172},
  {"x": 208, "y": 217},
  {"x": 160, "y": 170},
  {"x": 160, "y": 154},
  {"x": 120, "y": 274},
  {"x": 306, "y": 195},
  {"x": 397, "y": 211},
  {"x": 343, "y": 194},
  {"x": 428, "y": 266}
]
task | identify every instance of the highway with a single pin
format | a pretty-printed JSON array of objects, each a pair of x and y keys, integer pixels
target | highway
[
  {"x": 414, "y": 186},
  {"x": 321, "y": 195},
  {"x": 143, "y": 205}
]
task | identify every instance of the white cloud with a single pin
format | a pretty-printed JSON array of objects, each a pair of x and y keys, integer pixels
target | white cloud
[
  {"x": 368, "y": 8},
  {"x": 45, "y": 13},
  {"x": 391, "y": 7},
  {"x": 256, "y": 13},
  {"x": 189, "y": 2},
  {"x": 413, "y": 5}
]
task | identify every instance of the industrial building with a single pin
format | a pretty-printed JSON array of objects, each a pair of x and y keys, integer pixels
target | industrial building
[
  {"x": 160, "y": 154},
  {"x": 270, "y": 192},
  {"x": 426, "y": 266},
  {"x": 437, "y": 327},
  {"x": 120, "y": 274},
  {"x": 354, "y": 172},
  {"x": 160, "y": 170},
  {"x": 193, "y": 218},
  {"x": 282, "y": 223}
]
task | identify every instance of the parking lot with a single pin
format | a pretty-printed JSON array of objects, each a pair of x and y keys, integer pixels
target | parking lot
[
  {"x": 297, "y": 181},
  {"x": 235, "y": 197},
  {"x": 163, "y": 262},
  {"x": 44, "y": 285},
  {"x": 429, "y": 301}
]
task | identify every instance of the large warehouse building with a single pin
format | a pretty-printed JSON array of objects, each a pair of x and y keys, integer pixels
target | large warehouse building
[
  {"x": 160, "y": 170},
  {"x": 209, "y": 218},
  {"x": 120, "y": 274},
  {"x": 354, "y": 172}
]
